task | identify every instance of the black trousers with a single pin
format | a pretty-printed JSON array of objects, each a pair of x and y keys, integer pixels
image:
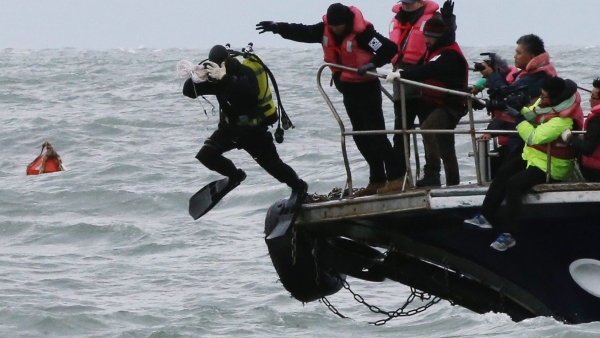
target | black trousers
[
  {"x": 256, "y": 141},
  {"x": 414, "y": 108},
  {"x": 363, "y": 105},
  {"x": 512, "y": 181},
  {"x": 590, "y": 175}
]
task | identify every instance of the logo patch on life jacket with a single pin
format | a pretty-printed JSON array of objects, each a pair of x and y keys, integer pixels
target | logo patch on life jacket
[
  {"x": 434, "y": 58},
  {"x": 375, "y": 44}
]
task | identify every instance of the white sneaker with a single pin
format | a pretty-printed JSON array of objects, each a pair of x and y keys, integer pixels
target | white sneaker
[{"x": 478, "y": 222}]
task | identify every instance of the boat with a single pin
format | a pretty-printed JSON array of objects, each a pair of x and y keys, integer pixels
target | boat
[{"x": 416, "y": 237}]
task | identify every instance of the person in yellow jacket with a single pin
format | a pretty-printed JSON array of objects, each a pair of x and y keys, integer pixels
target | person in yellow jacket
[{"x": 541, "y": 126}]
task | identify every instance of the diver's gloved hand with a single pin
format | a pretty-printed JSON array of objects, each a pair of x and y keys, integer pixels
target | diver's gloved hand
[
  {"x": 447, "y": 9},
  {"x": 266, "y": 26},
  {"x": 216, "y": 72},
  {"x": 393, "y": 76},
  {"x": 362, "y": 70},
  {"x": 199, "y": 74}
]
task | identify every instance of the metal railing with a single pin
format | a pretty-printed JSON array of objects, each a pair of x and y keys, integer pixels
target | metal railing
[{"x": 480, "y": 147}]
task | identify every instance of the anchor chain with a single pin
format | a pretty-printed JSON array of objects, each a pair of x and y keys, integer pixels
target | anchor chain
[
  {"x": 400, "y": 312},
  {"x": 294, "y": 242}
]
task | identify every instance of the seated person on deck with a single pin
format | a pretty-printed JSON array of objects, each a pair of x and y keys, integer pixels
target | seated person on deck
[{"x": 540, "y": 125}]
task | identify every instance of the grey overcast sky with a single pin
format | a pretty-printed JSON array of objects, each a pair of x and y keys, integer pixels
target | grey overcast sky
[{"x": 103, "y": 24}]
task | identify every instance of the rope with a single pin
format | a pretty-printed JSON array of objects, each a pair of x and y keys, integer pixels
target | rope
[{"x": 185, "y": 70}]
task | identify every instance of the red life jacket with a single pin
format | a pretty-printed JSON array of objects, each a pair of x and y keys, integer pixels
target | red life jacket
[
  {"x": 410, "y": 38},
  {"x": 540, "y": 63},
  {"x": 592, "y": 162},
  {"x": 437, "y": 97},
  {"x": 347, "y": 53},
  {"x": 558, "y": 148}
]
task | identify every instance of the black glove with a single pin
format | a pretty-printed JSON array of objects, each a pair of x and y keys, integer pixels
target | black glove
[
  {"x": 362, "y": 70},
  {"x": 447, "y": 9},
  {"x": 266, "y": 26}
]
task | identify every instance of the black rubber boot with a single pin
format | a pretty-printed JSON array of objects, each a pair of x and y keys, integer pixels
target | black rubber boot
[
  {"x": 236, "y": 179},
  {"x": 430, "y": 179}
]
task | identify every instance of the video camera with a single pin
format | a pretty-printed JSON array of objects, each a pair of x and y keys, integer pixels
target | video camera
[
  {"x": 491, "y": 60},
  {"x": 504, "y": 97}
]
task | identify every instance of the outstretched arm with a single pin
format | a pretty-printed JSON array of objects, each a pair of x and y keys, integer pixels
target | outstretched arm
[{"x": 294, "y": 31}]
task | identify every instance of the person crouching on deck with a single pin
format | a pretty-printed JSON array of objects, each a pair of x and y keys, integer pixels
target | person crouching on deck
[{"x": 558, "y": 109}]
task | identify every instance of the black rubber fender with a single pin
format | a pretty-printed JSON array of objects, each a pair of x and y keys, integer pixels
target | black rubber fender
[
  {"x": 299, "y": 276},
  {"x": 352, "y": 258}
]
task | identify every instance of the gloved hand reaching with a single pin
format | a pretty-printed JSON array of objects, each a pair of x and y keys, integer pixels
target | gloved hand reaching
[
  {"x": 266, "y": 26},
  {"x": 393, "y": 76},
  {"x": 216, "y": 72},
  {"x": 362, "y": 70},
  {"x": 565, "y": 135},
  {"x": 199, "y": 74},
  {"x": 447, "y": 9}
]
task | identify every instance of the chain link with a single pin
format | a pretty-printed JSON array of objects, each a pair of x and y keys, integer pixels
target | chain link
[
  {"x": 293, "y": 245},
  {"x": 400, "y": 312},
  {"x": 332, "y": 308}
]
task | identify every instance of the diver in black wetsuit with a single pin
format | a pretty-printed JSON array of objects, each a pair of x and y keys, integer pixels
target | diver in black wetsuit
[{"x": 242, "y": 123}]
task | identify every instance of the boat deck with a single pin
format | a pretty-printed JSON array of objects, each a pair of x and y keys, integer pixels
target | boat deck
[{"x": 420, "y": 201}]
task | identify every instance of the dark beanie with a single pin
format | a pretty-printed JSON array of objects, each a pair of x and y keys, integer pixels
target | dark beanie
[
  {"x": 434, "y": 28},
  {"x": 338, "y": 14},
  {"x": 218, "y": 54},
  {"x": 554, "y": 86}
]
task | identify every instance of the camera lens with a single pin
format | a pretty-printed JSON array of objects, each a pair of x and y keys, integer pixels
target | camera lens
[{"x": 478, "y": 66}]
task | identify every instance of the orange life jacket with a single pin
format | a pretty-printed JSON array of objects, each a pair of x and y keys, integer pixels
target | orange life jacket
[
  {"x": 410, "y": 38},
  {"x": 347, "y": 53}
]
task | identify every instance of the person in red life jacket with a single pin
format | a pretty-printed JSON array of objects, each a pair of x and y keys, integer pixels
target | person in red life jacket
[
  {"x": 533, "y": 63},
  {"x": 350, "y": 40},
  {"x": 444, "y": 65},
  {"x": 557, "y": 110},
  {"x": 509, "y": 74},
  {"x": 406, "y": 30},
  {"x": 588, "y": 145},
  {"x": 236, "y": 88}
]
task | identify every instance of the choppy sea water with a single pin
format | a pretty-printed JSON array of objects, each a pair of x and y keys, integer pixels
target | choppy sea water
[{"x": 107, "y": 248}]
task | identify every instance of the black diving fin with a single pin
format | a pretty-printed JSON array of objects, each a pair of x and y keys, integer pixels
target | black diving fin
[
  {"x": 206, "y": 198},
  {"x": 289, "y": 211}
]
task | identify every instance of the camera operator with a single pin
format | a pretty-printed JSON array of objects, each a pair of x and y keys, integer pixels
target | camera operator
[
  {"x": 535, "y": 68},
  {"x": 499, "y": 65}
]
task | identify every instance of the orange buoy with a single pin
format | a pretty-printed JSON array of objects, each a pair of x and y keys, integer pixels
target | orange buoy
[{"x": 47, "y": 162}]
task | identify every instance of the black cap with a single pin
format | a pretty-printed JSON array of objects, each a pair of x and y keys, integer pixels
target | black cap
[
  {"x": 554, "y": 86},
  {"x": 338, "y": 14},
  {"x": 218, "y": 54},
  {"x": 434, "y": 28}
]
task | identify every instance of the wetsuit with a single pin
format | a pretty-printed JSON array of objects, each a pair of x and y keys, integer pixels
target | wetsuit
[{"x": 237, "y": 94}]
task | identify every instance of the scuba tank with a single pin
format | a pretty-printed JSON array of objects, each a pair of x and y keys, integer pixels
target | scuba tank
[{"x": 269, "y": 112}]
